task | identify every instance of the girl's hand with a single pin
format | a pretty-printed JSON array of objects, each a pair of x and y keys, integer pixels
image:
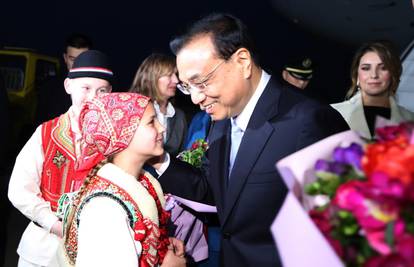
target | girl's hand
[
  {"x": 177, "y": 247},
  {"x": 172, "y": 260}
]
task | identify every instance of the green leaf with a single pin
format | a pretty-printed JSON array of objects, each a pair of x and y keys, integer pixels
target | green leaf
[
  {"x": 326, "y": 175},
  {"x": 350, "y": 229},
  {"x": 313, "y": 188},
  {"x": 389, "y": 234},
  {"x": 343, "y": 214}
]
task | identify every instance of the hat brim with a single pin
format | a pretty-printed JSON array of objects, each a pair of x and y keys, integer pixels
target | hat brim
[
  {"x": 91, "y": 74},
  {"x": 301, "y": 76}
]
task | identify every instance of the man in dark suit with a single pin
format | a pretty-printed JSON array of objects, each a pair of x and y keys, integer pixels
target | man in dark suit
[{"x": 255, "y": 123}]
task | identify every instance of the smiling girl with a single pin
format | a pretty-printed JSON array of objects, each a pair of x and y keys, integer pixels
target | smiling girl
[{"x": 117, "y": 218}]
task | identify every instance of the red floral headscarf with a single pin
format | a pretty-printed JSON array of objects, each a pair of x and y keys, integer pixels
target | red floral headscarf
[{"x": 108, "y": 122}]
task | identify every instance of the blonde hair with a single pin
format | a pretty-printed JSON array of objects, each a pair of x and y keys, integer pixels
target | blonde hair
[
  {"x": 388, "y": 55},
  {"x": 151, "y": 69}
]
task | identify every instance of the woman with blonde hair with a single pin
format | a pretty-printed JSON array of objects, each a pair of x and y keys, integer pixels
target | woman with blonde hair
[
  {"x": 157, "y": 78},
  {"x": 375, "y": 75},
  {"x": 117, "y": 218}
]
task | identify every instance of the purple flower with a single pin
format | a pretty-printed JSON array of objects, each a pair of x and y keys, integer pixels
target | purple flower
[
  {"x": 332, "y": 167},
  {"x": 322, "y": 165},
  {"x": 338, "y": 167},
  {"x": 349, "y": 155}
]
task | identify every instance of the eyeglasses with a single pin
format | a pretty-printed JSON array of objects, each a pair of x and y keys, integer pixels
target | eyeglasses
[{"x": 197, "y": 87}]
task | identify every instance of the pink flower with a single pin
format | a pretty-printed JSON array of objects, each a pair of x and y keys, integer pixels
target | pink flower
[
  {"x": 383, "y": 185},
  {"x": 353, "y": 197},
  {"x": 405, "y": 247},
  {"x": 377, "y": 239},
  {"x": 392, "y": 260},
  {"x": 402, "y": 255},
  {"x": 349, "y": 196},
  {"x": 392, "y": 132}
]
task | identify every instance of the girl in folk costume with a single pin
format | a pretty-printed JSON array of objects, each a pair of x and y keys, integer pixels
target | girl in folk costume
[{"x": 117, "y": 218}]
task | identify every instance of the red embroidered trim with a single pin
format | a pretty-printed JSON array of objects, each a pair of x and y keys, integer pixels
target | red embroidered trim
[
  {"x": 163, "y": 216},
  {"x": 145, "y": 231}
]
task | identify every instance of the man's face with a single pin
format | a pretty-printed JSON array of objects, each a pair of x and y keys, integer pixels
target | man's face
[
  {"x": 225, "y": 89},
  {"x": 299, "y": 83},
  {"x": 86, "y": 88},
  {"x": 71, "y": 54}
]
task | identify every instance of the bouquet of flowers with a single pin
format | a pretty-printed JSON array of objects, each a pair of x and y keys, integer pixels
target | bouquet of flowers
[
  {"x": 195, "y": 154},
  {"x": 359, "y": 197}
]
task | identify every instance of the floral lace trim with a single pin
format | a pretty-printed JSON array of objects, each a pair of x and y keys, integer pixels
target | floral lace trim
[{"x": 148, "y": 233}]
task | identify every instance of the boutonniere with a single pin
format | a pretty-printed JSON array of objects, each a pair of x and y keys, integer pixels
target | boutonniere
[{"x": 195, "y": 154}]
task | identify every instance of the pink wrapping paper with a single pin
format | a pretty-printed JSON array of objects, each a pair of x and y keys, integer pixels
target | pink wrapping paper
[
  {"x": 189, "y": 228},
  {"x": 197, "y": 206}
]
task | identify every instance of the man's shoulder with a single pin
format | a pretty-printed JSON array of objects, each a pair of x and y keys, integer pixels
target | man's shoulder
[{"x": 292, "y": 98}]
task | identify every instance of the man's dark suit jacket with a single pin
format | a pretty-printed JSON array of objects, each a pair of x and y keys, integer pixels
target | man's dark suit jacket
[{"x": 282, "y": 122}]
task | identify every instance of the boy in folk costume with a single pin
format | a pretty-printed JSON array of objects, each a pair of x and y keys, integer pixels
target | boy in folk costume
[
  {"x": 118, "y": 218},
  {"x": 50, "y": 163}
]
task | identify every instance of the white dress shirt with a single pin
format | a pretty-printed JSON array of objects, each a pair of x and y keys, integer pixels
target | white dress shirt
[{"x": 163, "y": 118}]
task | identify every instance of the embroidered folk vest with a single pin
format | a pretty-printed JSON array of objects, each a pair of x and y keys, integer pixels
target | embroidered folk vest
[
  {"x": 61, "y": 173},
  {"x": 146, "y": 231}
]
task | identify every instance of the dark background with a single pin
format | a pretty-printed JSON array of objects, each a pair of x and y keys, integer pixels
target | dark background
[{"x": 128, "y": 31}]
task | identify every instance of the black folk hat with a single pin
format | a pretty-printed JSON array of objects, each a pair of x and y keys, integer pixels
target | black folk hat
[
  {"x": 91, "y": 63},
  {"x": 300, "y": 68}
]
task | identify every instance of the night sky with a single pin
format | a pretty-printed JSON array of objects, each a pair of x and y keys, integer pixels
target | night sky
[{"x": 128, "y": 31}]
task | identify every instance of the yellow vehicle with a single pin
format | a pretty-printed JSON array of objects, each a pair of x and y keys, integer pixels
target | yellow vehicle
[{"x": 24, "y": 72}]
